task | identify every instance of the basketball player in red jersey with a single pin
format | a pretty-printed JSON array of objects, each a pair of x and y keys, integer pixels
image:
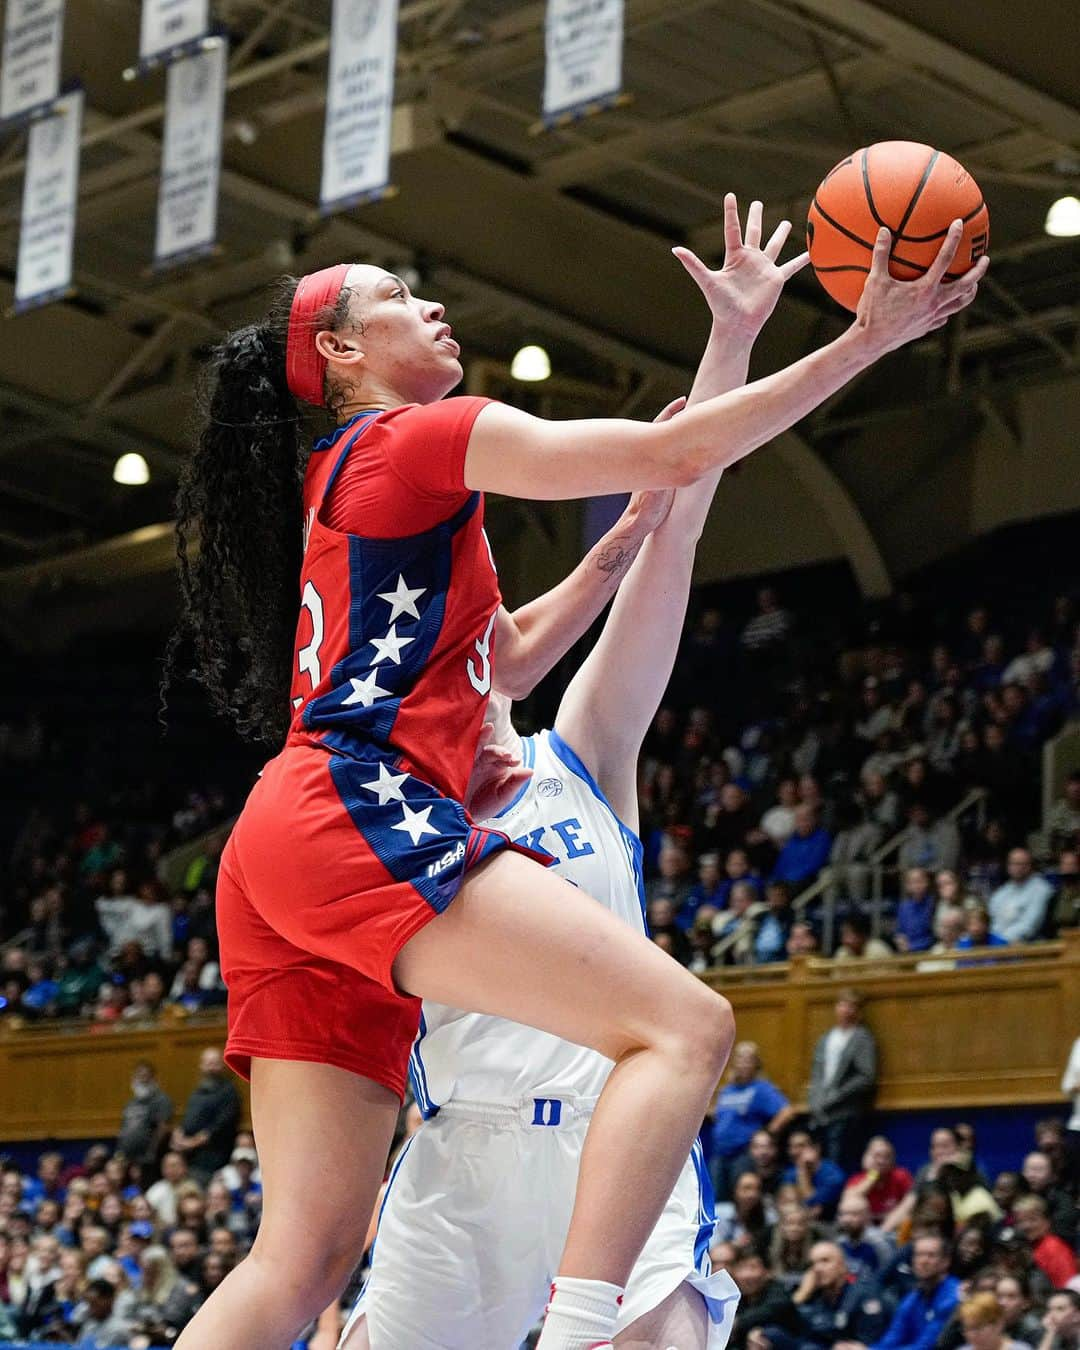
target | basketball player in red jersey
[{"x": 354, "y": 882}]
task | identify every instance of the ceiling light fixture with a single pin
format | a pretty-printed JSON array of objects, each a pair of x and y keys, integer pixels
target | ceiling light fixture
[
  {"x": 531, "y": 363},
  {"x": 131, "y": 469},
  {"x": 1063, "y": 218}
]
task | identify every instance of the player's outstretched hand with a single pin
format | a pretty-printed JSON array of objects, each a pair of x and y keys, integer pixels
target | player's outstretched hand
[
  {"x": 743, "y": 293},
  {"x": 893, "y": 312},
  {"x": 497, "y": 777}
]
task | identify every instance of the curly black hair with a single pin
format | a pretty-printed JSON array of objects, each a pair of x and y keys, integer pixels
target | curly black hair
[{"x": 238, "y": 524}]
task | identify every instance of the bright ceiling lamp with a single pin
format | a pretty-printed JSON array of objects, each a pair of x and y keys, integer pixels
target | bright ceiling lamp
[
  {"x": 1063, "y": 218},
  {"x": 531, "y": 363},
  {"x": 131, "y": 470}
]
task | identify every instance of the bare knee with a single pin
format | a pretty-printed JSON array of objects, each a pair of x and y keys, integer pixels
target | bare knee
[
  {"x": 310, "y": 1279},
  {"x": 703, "y": 1032}
]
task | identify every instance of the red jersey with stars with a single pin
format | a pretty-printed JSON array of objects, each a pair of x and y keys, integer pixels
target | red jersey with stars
[{"x": 398, "y": 594}]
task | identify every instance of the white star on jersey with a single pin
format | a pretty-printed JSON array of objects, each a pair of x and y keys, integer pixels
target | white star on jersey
[
  {"x": 415, "y": 823},
  {"x": 389, "y": 647},
  {"x": 402, "y": 600},
  {"x": 388, "y": 786},
  {"x": 364, "y": 691}
]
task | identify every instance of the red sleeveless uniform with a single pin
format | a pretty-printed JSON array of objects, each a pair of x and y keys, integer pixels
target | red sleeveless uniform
[{"x": 354, "y": 837}]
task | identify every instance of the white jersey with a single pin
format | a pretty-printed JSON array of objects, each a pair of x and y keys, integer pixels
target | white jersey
[{"x": 470, "y": 1057}]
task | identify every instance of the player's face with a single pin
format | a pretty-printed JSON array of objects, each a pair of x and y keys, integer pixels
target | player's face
[{"x": 406, "y": 343}]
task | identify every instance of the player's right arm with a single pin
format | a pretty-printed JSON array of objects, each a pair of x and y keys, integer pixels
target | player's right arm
[{"x": 522, "y": 456}]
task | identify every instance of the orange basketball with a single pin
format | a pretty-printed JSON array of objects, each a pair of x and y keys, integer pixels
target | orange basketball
[{"x": 913, "y": 189}]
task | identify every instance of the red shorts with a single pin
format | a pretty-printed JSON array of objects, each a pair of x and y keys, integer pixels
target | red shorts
[{"x": 335, "y": 862}]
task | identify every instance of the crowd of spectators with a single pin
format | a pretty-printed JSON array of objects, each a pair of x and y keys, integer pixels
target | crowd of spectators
[
  {"x": 776, "y": 759},
  {"x": 772, "y": 766},
  {"x": 91, "y": 927},
  {"x": 866, "y": 1254},
  {"x": 121, "y": 1248}
]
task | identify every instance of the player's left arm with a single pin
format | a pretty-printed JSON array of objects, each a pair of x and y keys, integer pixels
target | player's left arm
[
  {"x": 611, "y": 701},
  {"x": 531, "y": 639}
]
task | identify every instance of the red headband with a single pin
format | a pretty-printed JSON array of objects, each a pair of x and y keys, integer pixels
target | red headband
[{"x": 305, "y": 366}]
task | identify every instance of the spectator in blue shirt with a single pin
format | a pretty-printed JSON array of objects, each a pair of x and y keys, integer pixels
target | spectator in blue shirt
[
  {"x": 924, "y": 1313},
  {"x": 706, "y": 891},
  {"x": 747, "y": 1103},
  {"x": 915, "y": 915},
  {"x": 978, "y": 932},
  {"x": 820, "y": 1183},
  {"x": 806, "y": 852},
  {"x": 736, "y": 868},
  {"x": 1018, "y": 909}
]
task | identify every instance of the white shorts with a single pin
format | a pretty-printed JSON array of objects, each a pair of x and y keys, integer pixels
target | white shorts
[{"x": 475, "y": 1219}]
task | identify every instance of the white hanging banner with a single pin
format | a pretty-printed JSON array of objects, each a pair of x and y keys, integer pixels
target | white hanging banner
[
  {"x": 583, "y": 46},
  {"x": 169, "y": 25},
  {"x": 191, "y": 155},
  {"x": 359, "y": 103},
  {"x": 30, "y": 64},
  {"x": 50, "y": 193}
]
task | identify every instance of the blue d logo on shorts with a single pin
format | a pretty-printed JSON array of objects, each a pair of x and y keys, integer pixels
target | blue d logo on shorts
[{"x": 546, "y": 1111}]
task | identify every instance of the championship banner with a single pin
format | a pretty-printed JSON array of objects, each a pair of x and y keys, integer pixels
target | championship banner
[
  {"x": 30, "y": 63},
  {"x": 191, "y": 156},
  {"x": 50, "y": 193},
  {"x": 583, "y": 46},
  {"x": 170, "y": 26},
  {"x": 359, "y": 103}
]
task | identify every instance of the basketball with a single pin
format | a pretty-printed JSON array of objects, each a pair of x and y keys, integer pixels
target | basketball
[{"x": 914, "y": 190}]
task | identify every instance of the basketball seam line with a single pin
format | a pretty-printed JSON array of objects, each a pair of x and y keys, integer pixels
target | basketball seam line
[
  {"x": 907, "y": 238},
  {"x": 893, "y": 257},
  {"x": 899, "y": 231}
]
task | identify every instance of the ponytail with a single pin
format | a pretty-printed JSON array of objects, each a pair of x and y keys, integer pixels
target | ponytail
[{"x": 238, "y": 527}]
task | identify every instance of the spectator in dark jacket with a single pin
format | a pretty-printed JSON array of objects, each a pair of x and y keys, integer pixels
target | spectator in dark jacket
[
  {"x": 843, "y": 1080},
  {"x": 832, "y": 1304},
  {"x": 208, "y": 1130},
  {"x": 765, "y": 1301},
  {"x": 144, "y": 1122}
]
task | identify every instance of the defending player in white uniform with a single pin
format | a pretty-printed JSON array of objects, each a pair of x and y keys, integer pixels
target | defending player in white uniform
[{"x": 478, "y": 1204}]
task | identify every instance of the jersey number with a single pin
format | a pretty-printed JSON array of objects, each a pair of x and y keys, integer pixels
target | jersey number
[
  {"x": 307, "y": 658},
  {"x": 481, "y": 680}
]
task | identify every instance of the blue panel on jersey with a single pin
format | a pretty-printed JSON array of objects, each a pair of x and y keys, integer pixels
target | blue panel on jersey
[
  {"x": 632, "y": 843},
  {"x": 397, "y": 590},
  {"x": 706, "y": 1210},
  {"x": 419, "y": 836},
  {"x": 418, "y": 1075}
]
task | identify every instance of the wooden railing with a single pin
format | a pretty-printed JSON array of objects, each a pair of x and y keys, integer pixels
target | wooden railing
[
  {"x": 70, "y": 1080},
  {"x": 996, "y": 1031}
]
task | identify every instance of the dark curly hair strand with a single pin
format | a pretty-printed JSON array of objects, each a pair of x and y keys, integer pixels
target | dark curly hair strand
[{"x": 238, "y": 524}]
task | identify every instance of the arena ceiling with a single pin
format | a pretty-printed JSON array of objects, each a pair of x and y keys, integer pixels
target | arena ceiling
[{"x": 556, "y": 236}]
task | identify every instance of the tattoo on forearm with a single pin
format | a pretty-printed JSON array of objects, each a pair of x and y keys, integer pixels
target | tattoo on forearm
[{"x": 614, "y": 560}]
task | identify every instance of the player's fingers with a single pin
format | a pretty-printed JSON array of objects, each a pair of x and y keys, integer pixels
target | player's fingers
[
  {"x": 879, "y": 263},
  {"x": 487, "y": 731},
  {"x": 979, "y": 270},
  {"x": 752, "y": 238},
  {"x": 946, "y": 253},
  {"x": 693, "y": 264},
  {"x": 777, "y": 240},
  {"x": 794, "y": 265},
  {"x": 675, "y": 406},
  {"x": 732, "y": 228}
]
